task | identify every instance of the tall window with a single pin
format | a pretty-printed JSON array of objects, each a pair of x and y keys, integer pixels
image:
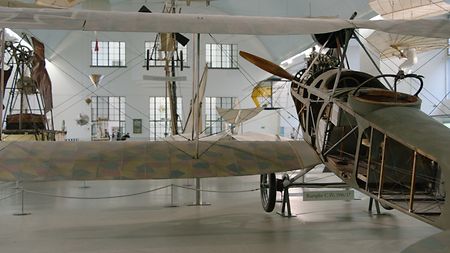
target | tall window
[
  {"x": 222, "y": 56},
  {"x": 157, "y": 57},
  {"x": 213, "y": 122},
  {"x": 108, "y": 116},
  {"x": 160, "y": 117},
  {"x": 109, "y": 54}
]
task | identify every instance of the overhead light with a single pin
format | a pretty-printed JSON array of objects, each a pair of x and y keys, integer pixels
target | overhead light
[{"x": 96, "y": 79}]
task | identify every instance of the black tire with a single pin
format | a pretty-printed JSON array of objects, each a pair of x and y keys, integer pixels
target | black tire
[{"x": 268, "y": 188}]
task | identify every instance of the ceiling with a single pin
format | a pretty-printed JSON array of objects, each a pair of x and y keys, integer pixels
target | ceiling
[{"x": 278, "y": 47}]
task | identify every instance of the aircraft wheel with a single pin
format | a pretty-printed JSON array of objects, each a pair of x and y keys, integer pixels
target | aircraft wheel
[{"x": 268, "y": 190}]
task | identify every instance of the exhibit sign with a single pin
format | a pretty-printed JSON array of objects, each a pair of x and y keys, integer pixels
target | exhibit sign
[
  {"x": 137, "y": 126},
  {"x": 328, "y": 195}
]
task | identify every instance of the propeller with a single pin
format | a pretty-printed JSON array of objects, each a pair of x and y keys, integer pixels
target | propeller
[{"x": 266, "y": 65}]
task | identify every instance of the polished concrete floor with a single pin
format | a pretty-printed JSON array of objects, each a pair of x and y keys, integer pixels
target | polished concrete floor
[{"x": 234, "y": 222}]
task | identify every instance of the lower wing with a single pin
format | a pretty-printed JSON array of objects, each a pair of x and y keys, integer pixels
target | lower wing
[{"x": 40, "y": 161}]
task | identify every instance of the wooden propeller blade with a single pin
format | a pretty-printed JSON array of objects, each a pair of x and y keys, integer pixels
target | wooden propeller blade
[{"x": 266, "y": 65}]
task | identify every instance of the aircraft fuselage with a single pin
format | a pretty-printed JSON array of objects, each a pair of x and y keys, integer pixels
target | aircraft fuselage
[{"x": 377, "y": 141}]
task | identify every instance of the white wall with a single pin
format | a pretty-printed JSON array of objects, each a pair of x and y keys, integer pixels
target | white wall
[
  {"x": 69, "y": 66},
  {"x": 433, "y": 65}
]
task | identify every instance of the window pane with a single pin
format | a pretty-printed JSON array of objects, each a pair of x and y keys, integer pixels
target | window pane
[
  {"x": 110, "y": 53},
  {"x": 226, "y": 56},
  {"x": 208, "y": 54},
  {"x": 122, "y": 54},
  {"x": 93, "y": 54},
  {"x": 185, "y": 53},
  {"x": 234, "y": 57},
  {"x": 160, "y": 117},
  {"x": 108, "y": 114},
  {"x": 221, "y": 55}
]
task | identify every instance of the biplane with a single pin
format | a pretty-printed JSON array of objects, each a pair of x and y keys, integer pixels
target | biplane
[{"x": 373, "y": 137}]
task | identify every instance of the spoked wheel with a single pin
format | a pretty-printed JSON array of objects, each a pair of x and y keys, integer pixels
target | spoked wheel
[{"x": 268, "y": 191}]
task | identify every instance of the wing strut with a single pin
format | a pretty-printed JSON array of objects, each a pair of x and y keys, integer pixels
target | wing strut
[{"x": 2, "y": 78}]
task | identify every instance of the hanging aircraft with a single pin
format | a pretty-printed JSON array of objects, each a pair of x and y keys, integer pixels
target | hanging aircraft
[
  {"x": 405, "y": 46},
  {"x": 374, "y": 138},
  {"x": 407, "y": 9}
]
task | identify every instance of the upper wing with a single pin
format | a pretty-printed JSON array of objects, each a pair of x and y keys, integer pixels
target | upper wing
[
  {"x": 34, "y": 161},
  {"x": 198, "y": 23}
]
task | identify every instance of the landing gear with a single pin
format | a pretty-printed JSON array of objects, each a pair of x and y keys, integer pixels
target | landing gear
[
  {"x": 268, "y": 188},
  {"x": 286, "y": 203},
  {"x": 270, "y": 185}
]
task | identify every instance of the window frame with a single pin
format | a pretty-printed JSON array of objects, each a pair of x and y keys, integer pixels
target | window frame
[
  {"x": 217, "y": 59},
  {"x": 108, "y": 55},
  {"x": 157, "y": 126},
  {"x": 117, "y": 116}
]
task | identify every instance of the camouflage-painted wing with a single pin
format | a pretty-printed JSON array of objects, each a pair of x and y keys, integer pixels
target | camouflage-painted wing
[{"x": 38, "y": 161}]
